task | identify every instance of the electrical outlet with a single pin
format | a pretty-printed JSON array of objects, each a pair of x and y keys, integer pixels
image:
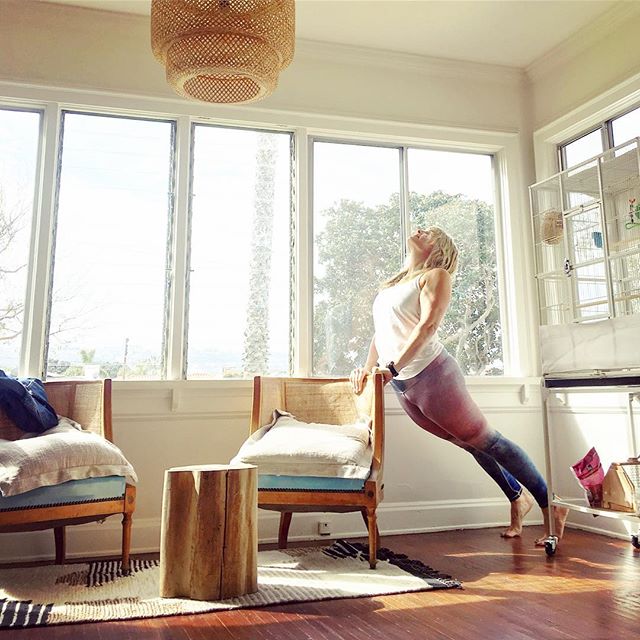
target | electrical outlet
[{"x": 324, "y": 527}]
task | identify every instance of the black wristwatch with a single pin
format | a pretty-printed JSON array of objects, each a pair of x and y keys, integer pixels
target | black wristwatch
[{"x": 392, "y": 367}]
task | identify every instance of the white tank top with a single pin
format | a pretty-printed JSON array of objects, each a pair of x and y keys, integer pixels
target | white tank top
[{"x": 396, "y": 312}]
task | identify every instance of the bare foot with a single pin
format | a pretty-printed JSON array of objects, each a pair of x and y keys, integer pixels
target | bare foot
[
  {"x": 559, "y": 518},
  {"x": 519, "y": 509}
]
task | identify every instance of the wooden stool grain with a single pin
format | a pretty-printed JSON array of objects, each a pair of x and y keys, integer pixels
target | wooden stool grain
[{"x": 209, "y": 537}]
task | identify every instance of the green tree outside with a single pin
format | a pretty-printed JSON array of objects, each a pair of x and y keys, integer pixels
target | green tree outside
[{"x": 359, "y": 248}]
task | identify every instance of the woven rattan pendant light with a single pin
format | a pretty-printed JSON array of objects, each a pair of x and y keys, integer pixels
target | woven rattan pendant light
[{"x": 223, "y": 51}]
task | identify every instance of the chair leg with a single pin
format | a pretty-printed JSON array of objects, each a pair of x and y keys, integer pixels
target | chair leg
[
  {"x": 61, "y": 542},
  {"x": 283, "y": 533},
  {"x": 371, "y": 520},
  {"x": 366, "y": 524},
  {"x": 126, "y": 542}
]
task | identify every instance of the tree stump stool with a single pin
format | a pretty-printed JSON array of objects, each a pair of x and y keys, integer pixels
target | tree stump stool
[{"x": 209, "y": 536}]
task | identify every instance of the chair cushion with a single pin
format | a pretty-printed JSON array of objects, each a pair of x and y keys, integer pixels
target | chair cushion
[
  {"x": 289, "y": 447},
  {"x": 58, "y": 455},
  {"x": 72, "y": 492},
  {"x": 306, "y": 483}
]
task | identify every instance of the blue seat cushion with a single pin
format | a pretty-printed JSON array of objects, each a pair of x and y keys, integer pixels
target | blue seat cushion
[
  {"x": 71, "y": 492},
  {"x": 309, "y": 483}
]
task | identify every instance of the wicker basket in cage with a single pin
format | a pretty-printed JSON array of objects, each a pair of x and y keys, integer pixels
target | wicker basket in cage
[
  {"x": 551, "y": 226},
  {"x": 223, "y": 51}
]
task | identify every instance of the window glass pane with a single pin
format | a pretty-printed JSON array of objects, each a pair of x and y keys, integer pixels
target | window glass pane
[
  {"x": 240, "y": 291},
  {"x": 357, "y": 245},
  {"x": 19, "y": 133},
  {"x": 107, "y": 308},
  {"x": 626, "y": 127},
  {"x": 583, "y": 148},
  {"x": 455, "y": 191}
]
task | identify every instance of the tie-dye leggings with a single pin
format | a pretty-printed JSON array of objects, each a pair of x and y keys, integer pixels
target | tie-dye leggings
[{"x": 438, "y": 401}]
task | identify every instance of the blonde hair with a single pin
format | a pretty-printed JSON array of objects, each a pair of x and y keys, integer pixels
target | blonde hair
[{"x": 444, "y": 255}]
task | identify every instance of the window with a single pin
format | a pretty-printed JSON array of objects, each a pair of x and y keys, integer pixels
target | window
[
  {"x": 626, "y": 127},
  {"x": 174, "y": 247},
  {"x": 617, "y": 131},
  {"x": 358, "y": 241},
  {"x": 19, "y": 134},
  {"x": 357, "y": 245},
  {"x": 240, "y": 280},
  {"x": 582, "y": 149},
  {"x": 109, "y": 273},
  {"x": 456, "y": 192}
]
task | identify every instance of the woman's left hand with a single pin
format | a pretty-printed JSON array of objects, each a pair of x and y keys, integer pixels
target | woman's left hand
[{"x": 386, "y": 374}]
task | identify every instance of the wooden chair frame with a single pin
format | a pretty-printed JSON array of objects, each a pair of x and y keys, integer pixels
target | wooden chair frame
[
  {"x": 288, "y": 394},
  {"x": 89, "y": 403}
]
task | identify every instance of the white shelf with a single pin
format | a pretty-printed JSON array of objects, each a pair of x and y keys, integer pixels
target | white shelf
[{"x": 607, "y": 513}]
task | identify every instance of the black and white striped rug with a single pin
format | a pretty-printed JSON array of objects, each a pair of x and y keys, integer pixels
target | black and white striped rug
[{"x": 95, "y": 591}]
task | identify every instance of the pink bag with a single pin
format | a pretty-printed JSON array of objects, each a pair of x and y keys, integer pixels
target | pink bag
[{"x": 590, "y": 475}]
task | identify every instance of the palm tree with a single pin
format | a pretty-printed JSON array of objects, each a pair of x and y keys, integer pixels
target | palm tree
[{"x": 255, "y": 357}]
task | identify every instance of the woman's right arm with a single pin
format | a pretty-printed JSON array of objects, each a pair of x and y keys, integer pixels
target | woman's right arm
[
  {"x": 358, "y": 375},
  {"x": 372, "y": 357}
]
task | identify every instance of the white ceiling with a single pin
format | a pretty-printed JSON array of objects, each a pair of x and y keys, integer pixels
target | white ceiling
[{"x": 507, "y": 32}]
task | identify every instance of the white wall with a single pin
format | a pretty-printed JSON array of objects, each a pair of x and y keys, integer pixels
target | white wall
[
  {"x": 76, "y": 56},
  {"x": 70, "y": 47},
  {"x": 429, "y": 484},
  {"x": 588, "y": 65}
]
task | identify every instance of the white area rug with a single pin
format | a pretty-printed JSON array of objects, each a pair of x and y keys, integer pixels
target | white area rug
[{"x": 95, "y": 591}]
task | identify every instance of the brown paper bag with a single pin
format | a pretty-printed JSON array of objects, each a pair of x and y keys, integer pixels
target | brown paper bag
[{"x": 618, "y": 492}]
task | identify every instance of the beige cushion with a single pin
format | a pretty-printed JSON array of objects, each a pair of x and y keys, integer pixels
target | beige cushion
[
  {"x": 290, "y": 447},
  {"x": 60, "y": 454}
]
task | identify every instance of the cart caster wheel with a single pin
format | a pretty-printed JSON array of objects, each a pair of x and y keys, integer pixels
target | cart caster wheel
[
  {"x": 550, "y": 545},
  {"x": 635, "y": 541}
]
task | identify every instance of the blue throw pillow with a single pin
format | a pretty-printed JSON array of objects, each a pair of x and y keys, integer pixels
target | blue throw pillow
[{"x": 24, "y": 400}]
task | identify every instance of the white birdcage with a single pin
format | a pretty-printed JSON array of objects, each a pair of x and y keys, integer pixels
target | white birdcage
[{"x": 586, "y": 227}]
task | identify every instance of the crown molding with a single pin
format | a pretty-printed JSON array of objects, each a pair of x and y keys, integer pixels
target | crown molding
[
  {"x": 617, "y": 99},
  {"x": 583, "y": 39},
  {"x": 481, "y": 136},
  {"x": 408, "y": 62}
]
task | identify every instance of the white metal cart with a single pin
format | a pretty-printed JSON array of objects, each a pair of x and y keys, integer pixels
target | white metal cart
[
  {"x": 586, "y": 231},
  {"x": 630, "y": 385}
]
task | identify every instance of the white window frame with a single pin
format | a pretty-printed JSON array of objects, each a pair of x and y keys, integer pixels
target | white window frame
[
  {"x": 606, "y": 133},
  {"x": 405, "y": 215},
  {"x": 33, "y": 245},
  {"x": 512, "y": 230},
  {"x": 43, "y": 345},
  {"x": 178, "y": 314}
]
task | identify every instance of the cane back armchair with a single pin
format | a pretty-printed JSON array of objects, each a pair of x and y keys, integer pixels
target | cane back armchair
[
  {"x": 328, "y": 401},
  {"x": 87, "y": 402}
]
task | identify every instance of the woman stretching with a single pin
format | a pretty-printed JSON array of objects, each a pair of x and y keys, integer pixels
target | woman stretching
[{"x": 429, "y": 383}]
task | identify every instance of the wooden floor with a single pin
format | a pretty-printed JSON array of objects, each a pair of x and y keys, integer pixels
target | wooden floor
[{"x": 590, "y": 590}]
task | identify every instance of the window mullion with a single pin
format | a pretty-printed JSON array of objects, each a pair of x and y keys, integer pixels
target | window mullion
[
  {"x": 512, "y": 348},
  {"x": 607, "y": 138},
  {"x": 608, "y": 127},
  {"x": 405, "y": 213},
  {"x": 303, "y": 293},
  {"x": 562, "y": 158},
  {"x": 37, "y": 298},
  {"x": 178, "y": 262}
]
